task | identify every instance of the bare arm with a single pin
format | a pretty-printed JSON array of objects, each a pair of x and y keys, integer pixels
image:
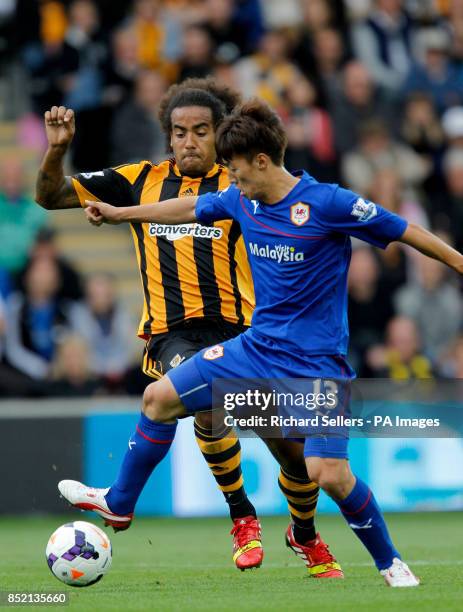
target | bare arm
[
  {"x": 432, "y": 246},
  {"x": 174, "y": 211},
  {"x": 54, "y": 190}
]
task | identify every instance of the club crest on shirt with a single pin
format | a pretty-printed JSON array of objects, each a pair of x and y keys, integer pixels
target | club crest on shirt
[
  {"x": 300, "y": 213},
  {"x": 214, "y": 352}
]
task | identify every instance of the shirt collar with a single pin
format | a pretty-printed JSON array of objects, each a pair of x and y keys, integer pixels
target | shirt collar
[{"x": 216, "y": 169}]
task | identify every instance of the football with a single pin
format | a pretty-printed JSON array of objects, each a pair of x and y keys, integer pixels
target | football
[{"x": 79, "y": 553}]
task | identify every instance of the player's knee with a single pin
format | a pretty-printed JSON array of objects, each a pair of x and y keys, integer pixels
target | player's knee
[
  {"x": 155, "y": 404},
  {"x": 294, "y": 466},
  {"x": 331, "y": 475}
]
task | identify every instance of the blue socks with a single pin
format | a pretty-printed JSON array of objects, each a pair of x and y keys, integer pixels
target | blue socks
[
  {"x": 364, "y": 517},
  {"x": 147, "y": 447}
]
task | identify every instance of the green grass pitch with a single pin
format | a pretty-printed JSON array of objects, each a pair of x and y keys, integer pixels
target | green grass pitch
[{"x": 185, "y": 564}]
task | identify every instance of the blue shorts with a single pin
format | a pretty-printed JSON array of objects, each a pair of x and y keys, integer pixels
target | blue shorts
[{"x": 253, "y": 356}]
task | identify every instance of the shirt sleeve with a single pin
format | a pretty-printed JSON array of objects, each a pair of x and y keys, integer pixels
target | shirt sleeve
[
  {"x": 217, "y": 206},
  {"x": 349, "y": 213},
  {"x": 107, "y": 185}
]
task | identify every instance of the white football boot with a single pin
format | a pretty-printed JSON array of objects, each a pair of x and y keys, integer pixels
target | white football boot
[
  {"x": 399, "y": 575},
  {"x": 89, "y": 498}
]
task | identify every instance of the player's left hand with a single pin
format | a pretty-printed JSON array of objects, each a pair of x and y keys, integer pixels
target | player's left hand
[{"x": 98, "y": 213}]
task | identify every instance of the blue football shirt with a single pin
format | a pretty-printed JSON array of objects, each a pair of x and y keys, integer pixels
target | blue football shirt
[{"x": 299, "y": 251}]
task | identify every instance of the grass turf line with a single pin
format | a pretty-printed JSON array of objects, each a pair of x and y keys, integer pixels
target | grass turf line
[{"x": 185, "y": 564}]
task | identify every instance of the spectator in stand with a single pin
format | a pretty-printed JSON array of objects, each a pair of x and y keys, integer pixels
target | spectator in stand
[
  {"x": 224, "y": 70},
  {"x": 315, "y": 17},
  {"x": 421, "y": 128},
  {"x": 385, "y": 43},
  {"x": 122, "y": 69},
  {"x": 268, "y": 73},
  {"x": 401, "y": 357},
  {"x": 36, "y": 321},
  {"x": 433, "y": 303},
  {"x": 330, "y": 55},
  {"x": 447, "y": 205},
  {"x": 158, "y": 35},
  {"x": 317, "y": 14},
  {"x": 230, "y": 37},
  {"x": 12, "y": 382},
  {"x": 106, "y": 327},
  {"x": 20, "y": 218},
  {"x": 197, "y": 58},
  {"x": 51, "y": 63},
  {"x": 71, "y": 373},
  {"x": 387, "y": 188},
  {"x": 85, "y": 36},
  {"x": 359, "y": 101},
  {"x": 46, "y": 248},
  {"x": 309, "y": 132},
  {"x": 435, "y": 75},
  {"x": 376, "y": 151},
  {"x": 136, "y": 133},
  {"x": 337, "y": 9},
  {"x": 370, "y": 305},
  {"x": 91, "y": 147}
]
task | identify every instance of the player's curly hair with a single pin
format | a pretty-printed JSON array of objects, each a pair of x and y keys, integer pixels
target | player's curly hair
[
  {"x": 252, "y": 128},
  {"x": 197, "y": 92}
]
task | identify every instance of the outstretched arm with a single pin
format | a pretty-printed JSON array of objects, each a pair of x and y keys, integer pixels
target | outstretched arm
[
  {"x": 174, "y": 211},
  {"x": 53, "y": 189},
  {"x": 432, "y": 246}
]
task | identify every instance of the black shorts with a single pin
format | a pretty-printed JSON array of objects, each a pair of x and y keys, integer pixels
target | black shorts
[{"x": 166, "y": 351}]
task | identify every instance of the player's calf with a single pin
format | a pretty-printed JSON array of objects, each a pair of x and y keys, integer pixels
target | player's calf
[{"x": 363, "y": 515}]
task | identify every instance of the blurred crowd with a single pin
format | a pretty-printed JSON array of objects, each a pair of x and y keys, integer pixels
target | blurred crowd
[{"x": 371, "y": 94}]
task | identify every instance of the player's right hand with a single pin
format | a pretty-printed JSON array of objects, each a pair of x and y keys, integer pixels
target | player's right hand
[
  {"x": 60, "y": 126},
  {"x": 101, "y": 212}
]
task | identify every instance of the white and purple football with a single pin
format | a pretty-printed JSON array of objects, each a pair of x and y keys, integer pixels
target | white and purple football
[{"x": 79, "y": 553}]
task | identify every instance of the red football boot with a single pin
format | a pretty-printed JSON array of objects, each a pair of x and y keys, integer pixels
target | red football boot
[
  {"x": 247, "y": 544},
  {"x": 316, "y": 555}
]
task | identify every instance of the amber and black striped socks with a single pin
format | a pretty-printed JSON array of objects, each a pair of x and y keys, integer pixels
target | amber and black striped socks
[
  {"x": 222, "y": 452},
  {"x": 302, "y": 496}
]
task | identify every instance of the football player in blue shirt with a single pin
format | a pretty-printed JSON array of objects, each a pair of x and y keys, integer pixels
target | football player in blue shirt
[{"x": 297, "y": 233}]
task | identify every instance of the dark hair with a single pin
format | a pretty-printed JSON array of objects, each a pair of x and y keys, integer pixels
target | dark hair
[
  {"x": 197, "y": 92},
  {"x": 252, "y": 128}
]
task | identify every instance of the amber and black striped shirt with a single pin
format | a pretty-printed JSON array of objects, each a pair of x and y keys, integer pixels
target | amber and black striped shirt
[{"x": 187, "y": 271}]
